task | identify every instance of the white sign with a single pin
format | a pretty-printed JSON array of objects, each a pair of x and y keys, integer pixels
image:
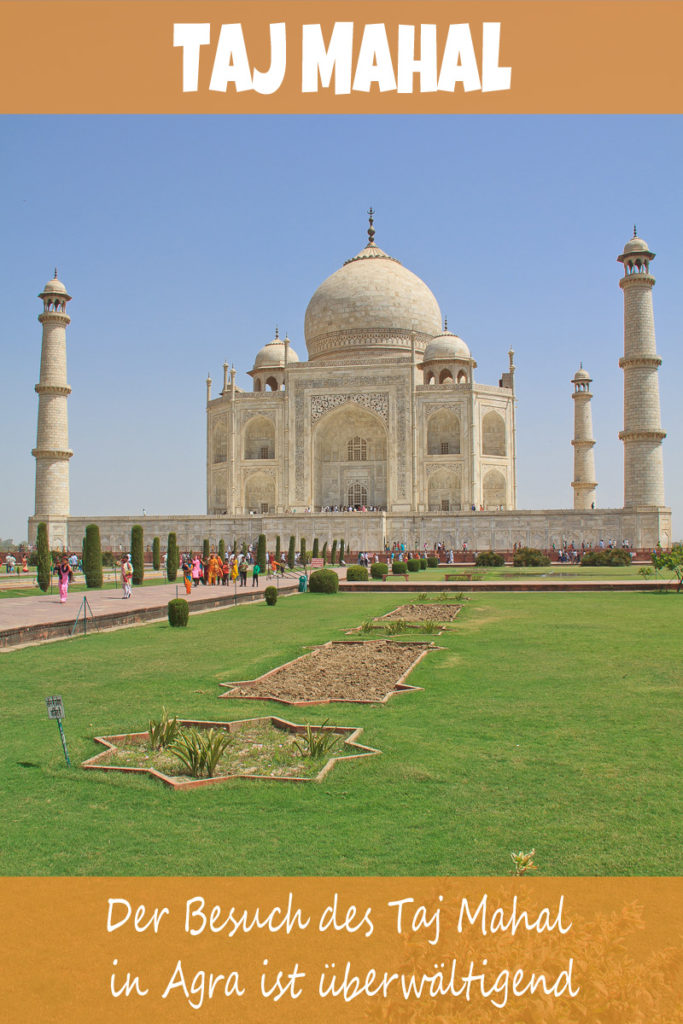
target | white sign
[{"x": 55, "y": 707}]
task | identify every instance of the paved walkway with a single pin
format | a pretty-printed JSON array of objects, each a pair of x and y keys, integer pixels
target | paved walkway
[{"x": 25, "y": 620}]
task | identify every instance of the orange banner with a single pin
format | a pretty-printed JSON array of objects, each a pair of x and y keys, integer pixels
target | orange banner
[
  {"x": 342, "y": 949},
  {"x": 127, "y": 56}
]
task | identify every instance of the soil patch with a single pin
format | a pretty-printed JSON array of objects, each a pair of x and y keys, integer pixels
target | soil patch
[
  {"x": 259, "y": 748},
  {"x": 437, "y": 611},
  {"x": 364, "y": 672}
]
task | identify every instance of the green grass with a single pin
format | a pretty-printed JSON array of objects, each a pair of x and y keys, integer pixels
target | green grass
[{"x": 546, "y": 721}]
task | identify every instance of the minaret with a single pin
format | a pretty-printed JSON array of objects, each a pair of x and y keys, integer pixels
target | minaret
[
  {"x": 642, "y": 434},
  {"x": 52, "y": 452},
  {"x": 584, "y": 463}
]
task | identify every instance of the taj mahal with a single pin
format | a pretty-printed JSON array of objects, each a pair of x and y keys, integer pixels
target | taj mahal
[{"x": 382, "y": 433}]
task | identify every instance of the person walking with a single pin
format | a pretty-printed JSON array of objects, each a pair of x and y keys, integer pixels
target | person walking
[
  {"x": 187, "y": 573},
  {"x": 243, "y": 566},
  {"x": 255, "y": 574},
  {"x": 127, "y": 576},
  {"x": 64, "y": 574}
]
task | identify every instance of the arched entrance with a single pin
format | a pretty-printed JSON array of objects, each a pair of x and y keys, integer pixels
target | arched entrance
[{"x": 350, "y": 459}]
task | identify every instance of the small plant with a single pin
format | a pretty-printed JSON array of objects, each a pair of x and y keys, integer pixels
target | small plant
[
  {"x": 422, "y": 597},
  {"x": 646, "y": 571},
  {"x": 530, "y": 556},
  {"x": 423, "y": 563},
  {"x": 163, "y": 732},
  {"x": 413, "y": 564},
  {"x": 430, "y": 626},
  {"x": 378, "y": 570},
  {"x": 523, "y": 862},
  {"x": 270, "y": 595},
  {"x": 396, "y": 627},
  {"x": 367, "y": 626},
  {"x": 200, "y": 751},
  {"x": 178, "y": 612},
  {"x": 317, "y": 744},
  {"x": 432, "y": 561},
  {"x": 399, "y": 568},
  {"x": 358, "y": 573}
]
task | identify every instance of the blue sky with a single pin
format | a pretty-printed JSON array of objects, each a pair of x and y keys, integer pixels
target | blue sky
[{"x": 185, "y": 240}]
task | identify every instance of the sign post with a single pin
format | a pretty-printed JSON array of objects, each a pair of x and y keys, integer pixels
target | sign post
[{"x": 55, "y": 709}]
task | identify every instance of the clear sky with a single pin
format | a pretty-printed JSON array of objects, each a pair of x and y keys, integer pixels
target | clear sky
[{"x": 185, "y": 240}]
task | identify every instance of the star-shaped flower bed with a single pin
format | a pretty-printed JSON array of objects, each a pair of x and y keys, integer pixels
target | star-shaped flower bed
[
  {"x": 269, "y": 748},
  {"x": 346, "y": 671}
]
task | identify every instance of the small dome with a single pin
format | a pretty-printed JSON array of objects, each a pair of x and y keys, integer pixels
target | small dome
[
  {"x": 636, "y": 244},
  {"x": 272, "y": 355},
  {"x": 581, "y": 374},
  {"x": 446, "y": 346},
  {"x": 54, "y": 287}
]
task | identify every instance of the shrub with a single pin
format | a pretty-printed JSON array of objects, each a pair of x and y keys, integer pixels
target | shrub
[
  {"x": 334, "y": 552},
  {"x": 341, "y": 552},
  {"x": 323, "y": 581},
  {"x": 156, "y": 553},
  {"x": 612, "y": 556},
  {"x": 413, "y": 564},
  {"x": 358, "y": 573},
  {"x": 423, "y": 563},
  {"x": 83, "y": 553},
  {"x": 291, "y": 551},
  {"x": 271, "y": 595},
  {"x": 379, "y": 569},
  {"x": 137, "y": 555},
  {"x": 432, "y": 561},
  {"x": 261, "y": 551},
  {"x": 398, "y": 568},
  {"x": 93, "y": 562},
  {"x": 530, "y": 556},
  {"x": 172, "y": 558},
  {"x": 303, "y": 557},
  {"x": 221, "y": 549},
  {"x": 108, "y": 559},
  {"x": 489, "y": 558},
  {"x": 44, "y": 558},
  {"x": 206, "y": 548},
  {"x": 277, "y": 548},
  {"x": 178, "y": 612},
  {"x": 315, "y": 551},
  {"x": 324, "y": 553}
]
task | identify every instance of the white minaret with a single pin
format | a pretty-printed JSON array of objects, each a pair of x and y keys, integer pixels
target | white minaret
[
  {"x": 584, "y": 483},
  {"x": 642, "y": 434},
  {"x": 52, "y": 452}
]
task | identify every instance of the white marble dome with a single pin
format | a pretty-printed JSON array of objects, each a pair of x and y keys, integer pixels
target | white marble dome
[
  {"x": 55, "y": 287},
  {"x": 447, "y": 346},
  {"x": 636, "y": 244},
  {"x": 370, "y": 307},
  {"x": 272, "y": 355}
]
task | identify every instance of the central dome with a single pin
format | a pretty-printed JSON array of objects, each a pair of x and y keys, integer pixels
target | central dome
[{"x": 369, "y": 309}]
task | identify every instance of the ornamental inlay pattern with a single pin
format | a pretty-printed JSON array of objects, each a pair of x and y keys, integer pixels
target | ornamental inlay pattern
[{"x": 377, "y": 402}]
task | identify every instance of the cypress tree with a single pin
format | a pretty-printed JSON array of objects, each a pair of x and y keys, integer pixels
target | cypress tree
[
  {"x": 341, "y": 551},
  {"x": 291, "y": 552},
  {"x": 156, "y": 553},
  {"x": 304, "y": 555},
  {"x": 244, "y": 547},
  {"x": 234, "y": 547},
  {"x": 44, "y": 558},
  {"x": 221, "y": 549},
  {"x": 137, "y": 555},
  {"x": 83, "y": 554},
  {"x": 324, "y": 554},
  {"x": 334, "y": 552},
  {"x": 314, "y": 553},
  {"x": 206, "y": 551},
  {"x": 93, "y": 557},
  {"x": 172, "y": 558},
  {"x": 277, "y": 548},
  {"x": 261, "y": 551}
]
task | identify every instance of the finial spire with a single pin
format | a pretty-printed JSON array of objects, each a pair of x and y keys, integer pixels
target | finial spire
[
  {"x": 277, "y": 333},
  {"x": 635, "y": 233},
  {"x": 371, "y": 230},
  {"x": 55, "y": 273},
  {"x": 445, "y": 323}
]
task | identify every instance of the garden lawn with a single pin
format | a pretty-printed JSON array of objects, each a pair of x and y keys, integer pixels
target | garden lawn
[{"x": 547, "y": 721}]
